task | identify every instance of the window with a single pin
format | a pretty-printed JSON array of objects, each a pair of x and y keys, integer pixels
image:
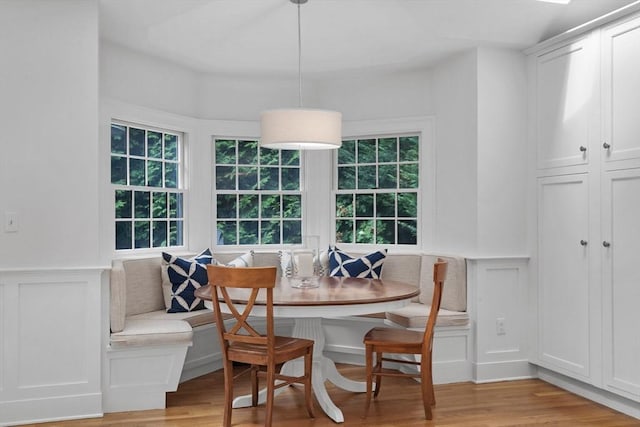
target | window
[
  {"x": 376, "y": 198},
  {"x": 146, "y": 175},
  {"x": 258, "y": 194}
]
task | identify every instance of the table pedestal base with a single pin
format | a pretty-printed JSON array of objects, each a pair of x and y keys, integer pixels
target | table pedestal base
[{"x": 323, "y": 369}]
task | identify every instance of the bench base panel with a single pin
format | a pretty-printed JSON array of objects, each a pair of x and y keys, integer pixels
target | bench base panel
[
  {"x": 138, "y": 378},
  {"x": 204, "y": 355}
]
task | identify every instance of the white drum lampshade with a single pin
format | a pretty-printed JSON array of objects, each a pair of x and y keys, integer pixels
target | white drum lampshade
[{"x": 300, "y": 129}]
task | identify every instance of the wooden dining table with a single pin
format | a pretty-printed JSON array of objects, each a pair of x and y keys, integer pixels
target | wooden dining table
[{"x": 334, "y": 297}]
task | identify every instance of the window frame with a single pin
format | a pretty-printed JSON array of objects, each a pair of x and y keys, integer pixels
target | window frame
[
  {"x": 181, "y": 188},
  {"x": 424, "y": 128}
]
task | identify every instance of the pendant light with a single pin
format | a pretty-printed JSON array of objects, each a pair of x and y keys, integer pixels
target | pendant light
[{"x": 300, "y": 128}]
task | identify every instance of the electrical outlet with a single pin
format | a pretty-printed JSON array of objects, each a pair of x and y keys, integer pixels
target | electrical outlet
[
  {"x": 10, "y": 222},
  {"x": 500, "y": 326}
]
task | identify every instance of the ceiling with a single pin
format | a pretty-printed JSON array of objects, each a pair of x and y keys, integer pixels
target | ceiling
[{"x": 259, "y": 37}]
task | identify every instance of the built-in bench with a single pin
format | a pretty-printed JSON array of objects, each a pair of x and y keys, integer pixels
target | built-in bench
[{"x": 151, "y": 351}]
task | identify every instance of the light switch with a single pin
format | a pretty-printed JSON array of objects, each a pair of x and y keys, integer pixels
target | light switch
[{"x": 10, "y": 222}]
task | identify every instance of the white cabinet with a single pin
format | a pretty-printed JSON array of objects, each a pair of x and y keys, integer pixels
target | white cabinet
[
  {"x": 621, "y": 281},
  {"x": 563, "y": 274},
  {"x": 565, "y": 91},
  {"x": 586, "y": 92},
  {"x": 621, "y": 91}
]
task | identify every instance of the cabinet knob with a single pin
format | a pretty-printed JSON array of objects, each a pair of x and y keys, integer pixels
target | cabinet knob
[
  {"x": 583, "y": 242},
  {"x": 606, "y": 146},
  {"x": 583, "y": 148},
  {"x": 606, "y": 244}
]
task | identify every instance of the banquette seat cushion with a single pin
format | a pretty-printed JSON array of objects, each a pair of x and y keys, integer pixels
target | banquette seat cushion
[
  {"x": 415, "y": 315},
  {"x": 149, "y": 332}
]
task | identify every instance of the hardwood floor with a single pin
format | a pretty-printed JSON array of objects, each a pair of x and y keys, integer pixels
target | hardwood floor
[{"x": 515, "y": 403}]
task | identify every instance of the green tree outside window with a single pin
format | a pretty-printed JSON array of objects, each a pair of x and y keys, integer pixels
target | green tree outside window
[{"x": 258, "y": 195}]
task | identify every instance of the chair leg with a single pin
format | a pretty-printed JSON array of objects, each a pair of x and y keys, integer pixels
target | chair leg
[
  {"x": 369, "y": 370},
  {"x": 427, "y": 389},
  {"x": 308, "y": 372},
  {"x": 426, "y": 400},
  {"x": 254, "y": 385},
  {"x": 271, "y": 379},
  {"x": 433, "y": 392},
  {"x": 378, "y": 368},
  {"x": 228, "y": 392}
]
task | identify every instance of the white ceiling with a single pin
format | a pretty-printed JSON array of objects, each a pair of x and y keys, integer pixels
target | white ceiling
[{"x": 338, "y": 36}]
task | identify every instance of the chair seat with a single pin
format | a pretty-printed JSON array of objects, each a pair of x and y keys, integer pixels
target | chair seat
[
  {"x": 393, "y": 336},
  {"x": 285, "y": 348}
]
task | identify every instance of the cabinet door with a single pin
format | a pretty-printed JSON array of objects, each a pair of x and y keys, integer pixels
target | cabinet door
[
  {"x": 621, "y": 281},
  {"x": 563, "y": 281},
  {"x": 564, "y": 92},
  {"x": 621, "y": 90}
]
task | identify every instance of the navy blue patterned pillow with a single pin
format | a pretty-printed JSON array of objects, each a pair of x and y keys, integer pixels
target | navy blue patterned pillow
[
  {"x": 186, "y": 275},
  {"x": 344, "y": 265}
]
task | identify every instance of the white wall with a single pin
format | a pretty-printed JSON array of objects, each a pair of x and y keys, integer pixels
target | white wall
[
  {"x": 480, "y": 105},
  {"x": 225, "y": 97},
  {"x": 146, "y": 81},
  {"x": 501, "y": 152},
  {"x": 49, "y": 122},
  {"x": 455, "y": 100},
  {"x": 141, "y": 80},
  {"x": 378, "y": 96},
  {"x": 357, "y": 97}
]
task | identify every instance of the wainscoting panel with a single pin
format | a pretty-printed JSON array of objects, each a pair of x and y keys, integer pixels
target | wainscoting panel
[
  {"x": 49, "y": 328},
  {"x": 498, "y": 295},
  {"x": 50, "y": 345}
]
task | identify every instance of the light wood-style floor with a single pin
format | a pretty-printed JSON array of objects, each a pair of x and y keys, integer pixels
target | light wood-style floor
[{"x": 516, "y": 403}]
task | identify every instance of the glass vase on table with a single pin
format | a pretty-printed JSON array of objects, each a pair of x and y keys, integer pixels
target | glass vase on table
[{"x": 303, "y": 265}]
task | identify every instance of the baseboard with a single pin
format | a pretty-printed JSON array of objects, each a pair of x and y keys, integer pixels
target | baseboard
[
  {"x": 134, "y": 399},
  {"x": 503, "y": 371},
  {"x": 598, "y": 395},
  {"x": 50, "y": 409}
]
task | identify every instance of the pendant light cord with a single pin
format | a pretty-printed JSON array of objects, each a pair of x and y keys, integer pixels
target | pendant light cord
[{"x": 299, "y": 61}]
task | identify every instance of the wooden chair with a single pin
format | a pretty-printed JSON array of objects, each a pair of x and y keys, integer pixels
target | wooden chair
[
  {"x": 402, "y": 341},
  {"x": 244, "y": 344}
]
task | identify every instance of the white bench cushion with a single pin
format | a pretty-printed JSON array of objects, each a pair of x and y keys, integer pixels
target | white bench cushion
[
  {"x": 415, "y": 315},
  {"x": 149, "y": 332},
  {"x": 194, "y": 318}
]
